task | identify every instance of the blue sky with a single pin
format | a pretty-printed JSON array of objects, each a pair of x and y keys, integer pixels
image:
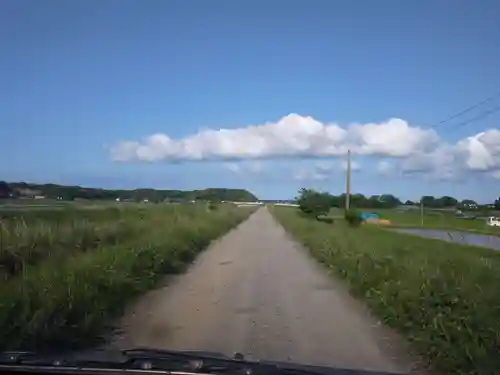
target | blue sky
[{"x": 126, "y": 94}]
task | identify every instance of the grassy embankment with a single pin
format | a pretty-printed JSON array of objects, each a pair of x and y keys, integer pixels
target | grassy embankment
[
  {"x": 443, "y": 297},
  {"x": 67, "y": 273},
  {"x": 433, "y": 219}
]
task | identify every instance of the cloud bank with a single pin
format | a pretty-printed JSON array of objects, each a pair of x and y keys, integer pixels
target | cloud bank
[{"x": 411, "y": 149}]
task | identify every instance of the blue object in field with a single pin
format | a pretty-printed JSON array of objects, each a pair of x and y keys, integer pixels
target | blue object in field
[{"x": 369, "y": 215}]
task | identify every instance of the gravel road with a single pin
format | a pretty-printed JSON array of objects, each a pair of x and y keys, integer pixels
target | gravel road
[{"x": 258, "y": 292}]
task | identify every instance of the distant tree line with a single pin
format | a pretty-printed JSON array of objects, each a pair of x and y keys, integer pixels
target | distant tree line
[
  {"x": 5, "y": 190},
  {"x": 53, "y": 191},
  {"x": 386, "y": 200},
  {"x": 356, "y": 200}
]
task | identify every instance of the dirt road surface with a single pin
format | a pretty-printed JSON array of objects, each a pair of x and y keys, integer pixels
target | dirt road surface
[{"x": 258, "y": 292}]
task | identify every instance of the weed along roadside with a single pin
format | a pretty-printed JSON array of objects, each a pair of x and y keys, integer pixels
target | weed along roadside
[
  {"x": 67, "y": 301},
  {"x": 30, "y": 237},
  {"x": 443, "y": 297}
]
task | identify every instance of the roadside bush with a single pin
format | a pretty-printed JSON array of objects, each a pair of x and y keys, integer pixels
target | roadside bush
[
  {"x": 353, "y": 218},
  {"x": 314, "y": 203}
]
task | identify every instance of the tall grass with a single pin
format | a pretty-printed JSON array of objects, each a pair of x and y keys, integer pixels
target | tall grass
[
  {"x": 67, "y": 302},
  {"x": 59, "y": 214},
  {"x": 30, "y": 237},
  {"x": 444, "y": 297}
]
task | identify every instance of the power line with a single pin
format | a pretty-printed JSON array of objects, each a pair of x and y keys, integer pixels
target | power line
[
  {"x": 468, "y": 110},
  {"x": 479, "y": 117}
]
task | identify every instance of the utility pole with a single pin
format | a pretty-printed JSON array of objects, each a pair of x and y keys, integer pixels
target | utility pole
[
  {"x": 348, "y": 182},
  {"x": 422, "y": 211}
]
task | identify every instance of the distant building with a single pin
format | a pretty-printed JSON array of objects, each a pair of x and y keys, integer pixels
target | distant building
[
  {"x": 29, "y": 193},
  {"x": 471, "y": 206},
  {"x": 286, "y": 204}
]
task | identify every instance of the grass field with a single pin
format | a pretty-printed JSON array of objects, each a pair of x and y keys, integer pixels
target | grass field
[
  {"x": 432, "y": 219},
  {"x": 66, "y": 273},
  {"x": 31, "y": 236},
  {"x": 443, "y": 297},
  {"x": 29, "y": 204}
]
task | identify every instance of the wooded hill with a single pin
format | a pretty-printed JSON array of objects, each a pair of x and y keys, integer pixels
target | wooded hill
[{"x": 30, "y": 190}]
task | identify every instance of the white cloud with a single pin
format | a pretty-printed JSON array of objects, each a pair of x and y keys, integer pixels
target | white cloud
[
  {"x": 481, "y": 151},
  {"x": 495, "y": 174},
  {"x": 233, "y": 167},
  {"x": 255, "y": 167},
  {"x": 292, "y": 135},
  {"x": 405, "y": 148},
  {"x": 324, "y": 166},
  {"x": 323, "y": 170},
  {"x": 384, "y": 167},
  {"x": 320, "y": 171},
  {"x": 305, "y": 174},
  {"x": 394, "y": 138},
  {"x": 477, "y": 153},
  {"x": 443, "y": 163}
]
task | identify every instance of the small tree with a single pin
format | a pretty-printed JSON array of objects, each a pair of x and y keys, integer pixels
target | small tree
[
  {"x": 313, "y": 202},
  {"x": 497, "y": 203},
  {"x": 4, "y": 190}
]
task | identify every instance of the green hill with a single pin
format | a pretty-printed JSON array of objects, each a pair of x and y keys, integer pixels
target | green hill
[{"x": 30, "y": 190}]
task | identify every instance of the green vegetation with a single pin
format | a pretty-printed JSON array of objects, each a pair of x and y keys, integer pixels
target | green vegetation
[
  {"x": 30, "y": 236},
  {"x": 325, "y": 207},
  {"x": 353, "y": 218},
  {"x": 436, "y": 219},
  {"x": 76, "y": 269},
  {"x": 443, "y": 297},
  {"x": 30, "y": 190},
  {"x": 382, "y": 201},
  {"x": 314, "y": 203},
  {"x": 433, "y": 219}
]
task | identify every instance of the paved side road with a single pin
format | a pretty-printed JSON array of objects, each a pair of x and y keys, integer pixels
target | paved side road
[{"x": 257, "y": 292}]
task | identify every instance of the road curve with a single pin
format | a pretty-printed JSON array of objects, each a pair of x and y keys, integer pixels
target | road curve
[{"x": 257, "y": 292}]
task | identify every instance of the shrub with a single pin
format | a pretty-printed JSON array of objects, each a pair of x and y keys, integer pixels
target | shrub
[
  {"x": 353, "y": 218},
  {"x": 314, "y": 203}
]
